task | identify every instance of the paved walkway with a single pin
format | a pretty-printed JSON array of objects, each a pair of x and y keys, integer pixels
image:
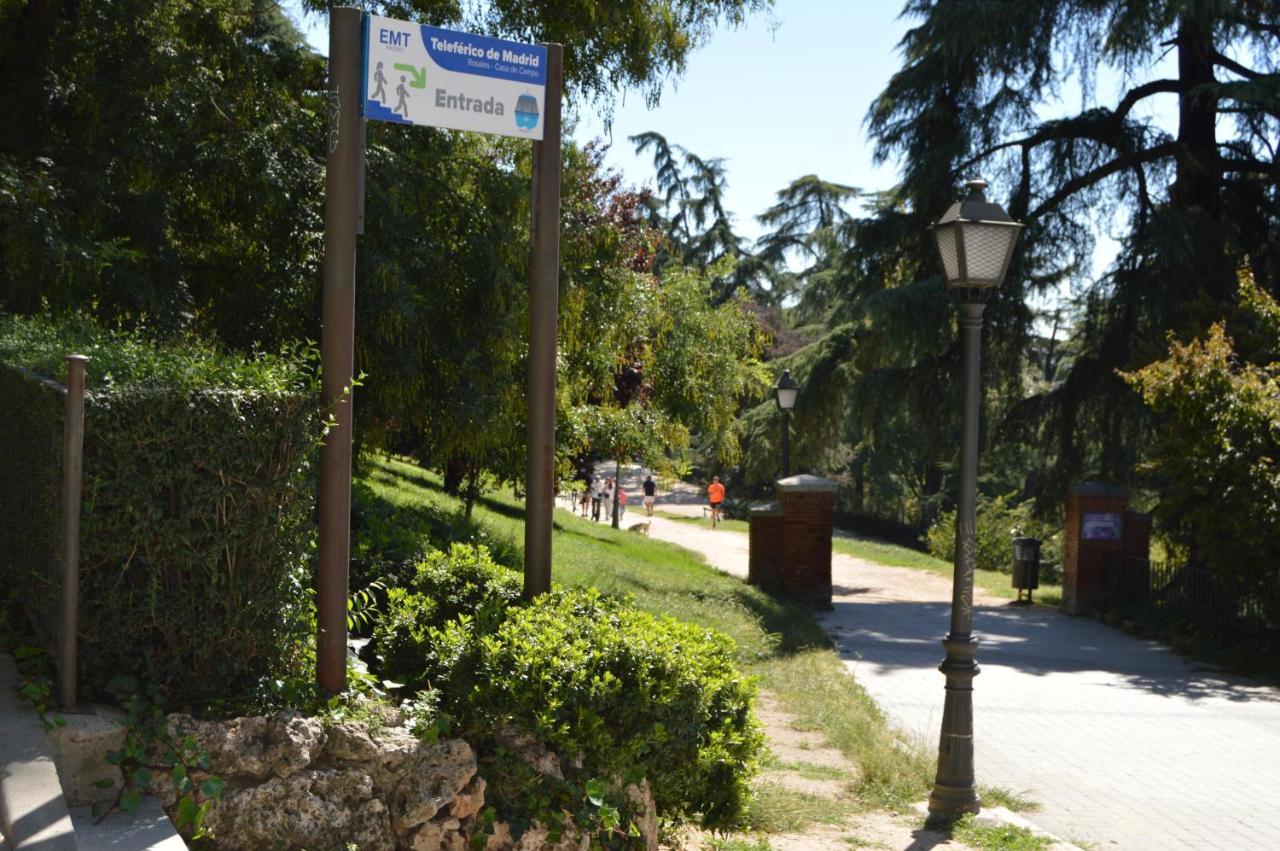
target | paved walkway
[{"x": 1124, "y": 744}]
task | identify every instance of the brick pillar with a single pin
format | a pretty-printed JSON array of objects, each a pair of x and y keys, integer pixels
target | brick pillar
[
  {"x": 764, "y": 561},
  {"x": 1095, "y": 534},
  {"x": 807, "y": 505}
]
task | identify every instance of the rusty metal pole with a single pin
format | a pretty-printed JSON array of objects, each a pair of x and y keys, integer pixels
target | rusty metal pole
[
  {"x": 72, "y": 466},
  {"x": 337, "y": 344},
  {"x": 544, "y": 287}
]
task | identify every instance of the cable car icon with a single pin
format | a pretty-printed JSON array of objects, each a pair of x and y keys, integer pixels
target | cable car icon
[{"x": 526, "y": 112}]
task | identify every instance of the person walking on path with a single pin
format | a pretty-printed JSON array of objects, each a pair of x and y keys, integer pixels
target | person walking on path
[
  {"x": 608, "y": 500},
  {"x": 650, "y": 495},
  {"x": 597, "y": 495},
  {"x": 622, "y": 504},
  {"x": 715, "y": 495}
]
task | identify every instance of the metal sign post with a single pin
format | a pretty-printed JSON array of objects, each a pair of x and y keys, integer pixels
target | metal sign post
[
  {"x": 72, "y": 466},
  {"x": 337, "y": 342},
  {"x": 408, "y": 73},
  {"x": 544, "y": 288}
]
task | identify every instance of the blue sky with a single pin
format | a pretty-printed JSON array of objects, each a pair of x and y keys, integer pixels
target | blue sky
[{"x": 779, "y": 98}]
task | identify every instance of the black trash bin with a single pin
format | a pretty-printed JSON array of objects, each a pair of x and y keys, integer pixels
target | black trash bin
[{"x": 1026, "y": 566}]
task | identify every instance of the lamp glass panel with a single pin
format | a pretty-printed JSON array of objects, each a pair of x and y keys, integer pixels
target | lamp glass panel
[
  {"x": 787, "y": 397},
  {"x": 986, "y": 250},
  {"x": 945, "y": 236}
]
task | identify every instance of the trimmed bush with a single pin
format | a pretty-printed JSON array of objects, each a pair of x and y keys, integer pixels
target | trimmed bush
[
  {"x": 197, "y": 504},
  {"x": 30, "y": 500},
  {"x": 620, "y": 692},
  {"x": 446, "y": 586}
]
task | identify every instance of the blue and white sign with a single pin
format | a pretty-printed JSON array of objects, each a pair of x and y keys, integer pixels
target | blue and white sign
[
  {"x": 1102, "y": 527},
  {"x": 422, "y": 75}
]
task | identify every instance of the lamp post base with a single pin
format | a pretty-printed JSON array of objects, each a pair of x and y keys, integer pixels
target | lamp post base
[
  {"x": 953, "y": 801},
  {"x": 953, "y": 789}
]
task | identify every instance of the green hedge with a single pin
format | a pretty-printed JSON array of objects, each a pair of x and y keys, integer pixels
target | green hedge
[
  {"x": 621, "y": 693},
  {"x": 197, "y": 503},
  {"x": 30, "y": 498}
]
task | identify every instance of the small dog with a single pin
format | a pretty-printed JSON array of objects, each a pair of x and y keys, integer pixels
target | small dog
[{"x": 642, "y": 528}]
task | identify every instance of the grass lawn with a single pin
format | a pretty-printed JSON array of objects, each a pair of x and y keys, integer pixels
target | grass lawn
[
  {"x": 778, "y": 641},
  {"x": 992, "y": 581}
]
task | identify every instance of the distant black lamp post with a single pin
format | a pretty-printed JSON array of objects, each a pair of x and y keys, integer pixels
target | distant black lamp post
[
  {"x": 975, "y": 239},
  {"x": 785, "y": 392}
]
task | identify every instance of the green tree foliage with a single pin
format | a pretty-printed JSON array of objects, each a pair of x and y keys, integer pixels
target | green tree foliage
[
  {"x": 1216, "y": 456},
  {"x": 698, "y": 363},
  {"x": 977, "y": 93},
  {"x": 168, "y": 172},
  {"x": 441, "y": 321},
  {"x": 807, "y": 223},
  {"x": 689, "y": 210},
  {"x": 1190, "y": 204},
  {"x": 165, "y": 163}
]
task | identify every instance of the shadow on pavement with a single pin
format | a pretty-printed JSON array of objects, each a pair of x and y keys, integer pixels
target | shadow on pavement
[{"x": 1036, "y": 641}]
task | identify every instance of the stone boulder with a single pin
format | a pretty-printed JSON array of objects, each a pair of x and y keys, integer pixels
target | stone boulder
[
  {"x": 431, "y": 781},
  {"x": 256, "y": 747},
  {"x": 313, "y": 808}
]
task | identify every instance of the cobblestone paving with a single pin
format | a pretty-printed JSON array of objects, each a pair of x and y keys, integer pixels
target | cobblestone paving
[{"x": 1124, "y": 744}]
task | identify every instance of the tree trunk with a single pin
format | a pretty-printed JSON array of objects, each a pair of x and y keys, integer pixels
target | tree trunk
[
  {"x": 472, "y": 492},
  {"x": 1199, "y": 170},
  {"x": 455, "y": 474}
]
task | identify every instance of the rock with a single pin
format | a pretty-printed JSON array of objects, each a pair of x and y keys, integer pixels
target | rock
[
  {"x": 534, "y": 753},
  {"x": 316, "y": 808},
  {"x": 469, "y": 800},
  {"x": 385, "y": 758},
  {"x": 80, "y": 749},
  {"x": 536, "y": 839},
  {"x": 431, "y": 781},
  {"x": 257, "y": 747},
  {"x": 443, "y": 835},
  {"x": 349, "y": 742}
]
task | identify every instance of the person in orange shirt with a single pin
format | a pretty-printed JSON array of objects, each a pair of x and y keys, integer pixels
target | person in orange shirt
[{"x": 715, "y": 495}]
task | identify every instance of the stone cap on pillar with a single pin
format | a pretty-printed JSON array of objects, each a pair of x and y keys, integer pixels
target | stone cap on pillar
[
  {"x": 768, "y": 508},
  {"x": 804, "y": 483},
  {"x": 1098, "y": 489}
]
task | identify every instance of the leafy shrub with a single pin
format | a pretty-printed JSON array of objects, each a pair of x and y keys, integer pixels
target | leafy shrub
[
  {"x": 998, "y": 522},
  {"x": 446, "y": 586},
  {"x": 1217, "y": 454},
  {"x": 620, "y": 692},
  {"x": 737, "y": 509},
  {"x": 197, "y": 503}
]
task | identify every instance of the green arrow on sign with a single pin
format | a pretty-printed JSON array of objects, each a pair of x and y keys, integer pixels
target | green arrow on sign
[{"x": 419, "y": 80}]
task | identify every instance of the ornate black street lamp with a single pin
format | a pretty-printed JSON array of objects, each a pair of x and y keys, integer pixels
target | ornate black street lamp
[
  {"x": 785, "y": 392},
  {"x": 975, "y": 239}
]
